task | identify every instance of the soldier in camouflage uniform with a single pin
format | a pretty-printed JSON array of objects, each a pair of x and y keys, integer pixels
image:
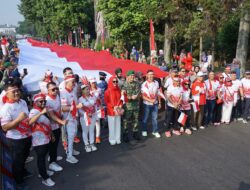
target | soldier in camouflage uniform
[{"x": 131, "y": 115}]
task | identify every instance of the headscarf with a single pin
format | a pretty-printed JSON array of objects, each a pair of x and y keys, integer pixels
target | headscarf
[{"x": 183, "y": 84}]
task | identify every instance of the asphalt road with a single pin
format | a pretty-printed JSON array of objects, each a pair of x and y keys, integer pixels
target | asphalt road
[{"x": 210, "y": 159}]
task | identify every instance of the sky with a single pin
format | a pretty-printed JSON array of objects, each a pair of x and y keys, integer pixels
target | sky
[{"x": 9, "y": 13}]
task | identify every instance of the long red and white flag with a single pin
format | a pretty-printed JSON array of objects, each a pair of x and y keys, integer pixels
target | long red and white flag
[
  {"x": 195, "y": 106},
  {"x": 182, "y": 119}
]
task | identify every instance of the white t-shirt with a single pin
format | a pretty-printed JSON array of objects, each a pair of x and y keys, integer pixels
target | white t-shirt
[
  {"x": 54, "y": 105},
  {"x": 175, "y": 92},
  {"x": 39, "y": 137},
  {"x": 246, "y": 87},
  {"x": 237, "y": 84},
  {"x": 168, "y": 82},
  {"x": 89, "y": 102},
  {"x": 150, "y": 90},
  {"x": 9, "y": 112},
  {"x": 226, "y": 75},
  {"x": 211, "y": 90},
  {"x": 229, "y": 94},
  {"x": 67, "y": 99},
  {"x": 185, "y": 105},
  {"x": 62, "y": 87}
]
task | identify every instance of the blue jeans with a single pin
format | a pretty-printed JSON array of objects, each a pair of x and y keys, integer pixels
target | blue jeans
[
  {"x": 153, "y": 109},
  {"x": 209, "y": 111}
]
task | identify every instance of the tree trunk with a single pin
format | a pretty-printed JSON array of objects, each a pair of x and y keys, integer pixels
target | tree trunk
[
  {"x": 201, "y": 47},
  {"x": 167, "y": 44},
  {"x": 242, "y": 45},
  {"x": 213, "y": 53}
]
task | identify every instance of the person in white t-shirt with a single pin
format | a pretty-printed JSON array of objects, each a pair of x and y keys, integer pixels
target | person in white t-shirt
[
  {"x": 237, "y": 109},
  {"x": 151, "y": 103},
  {"x": 246, "y": 90},
  {"x": 54, "y": 110},
  {"x": 174, "y": 97},
  {"x": 88, "y": 118},
  {"x": 211, "y": 91},
  {"x": 41, "y": 136},
  {"x": 69, "y": 103},
  {"x": 14, "y": 121},
  {"x": 227, "y": 72}
]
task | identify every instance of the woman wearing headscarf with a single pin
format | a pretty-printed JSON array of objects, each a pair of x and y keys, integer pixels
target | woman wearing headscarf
[
  {"x": 114, "y": 104},
  {"x": 41, "y": 136}
]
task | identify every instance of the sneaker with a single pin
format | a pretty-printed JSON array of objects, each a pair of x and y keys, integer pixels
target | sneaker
[
  {"x": 49, "y": 173},
  {"x": 112, "y": 144},
  {"x": 55, "y": 167},
  {"x": 136, "y": 136},
  {"x": 188, "y": 132},
  {"x": 244, "y": 121},
  {"x": 29, "y": 159},
  {"x": 97, "y": 140},
  {"x": 194, "y": 128},
  {"x": 72, "y": 160},
  {"x": 176, "y": 132},
  {"x": 157, "y": 135},
  {"x": 77, "y": 140},
  {"x": 202, "y": 127},
  {"x": 118, "y": 142},
  {"x": 48, "y": 182},
  {"x": 144, "y": 133},
  {"x": 240, "y": 119},
  {"x": 168, "y": 134},
  {"x": 93, "y": 147},
  {"x": 88, "y": 148},
  {"x": 182, "y": 130},
  {"x": 75, "y": 152},
  {"x": 58, "y": 158}
]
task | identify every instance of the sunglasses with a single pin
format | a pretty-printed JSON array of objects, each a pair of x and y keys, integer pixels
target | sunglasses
[
  {"x": 115, "y": 81},
  {"x": 54, "y": 89},
  {"x": 186, "y": 83},
  {"x": 221, "y": 77},
  {"x": 42, "y": 101},
  {"x": 183, "y": 71}
]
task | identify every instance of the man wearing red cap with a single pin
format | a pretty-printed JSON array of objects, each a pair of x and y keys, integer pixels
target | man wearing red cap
[{"x": 69, "y": 106}]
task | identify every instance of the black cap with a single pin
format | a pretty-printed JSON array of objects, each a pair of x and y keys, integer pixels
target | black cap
[
  {"x": 9, "y": 81},
  {"x": 102, "y": 74}
]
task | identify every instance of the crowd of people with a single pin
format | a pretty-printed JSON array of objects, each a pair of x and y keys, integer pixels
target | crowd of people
[{"x": 192, "y": 100}]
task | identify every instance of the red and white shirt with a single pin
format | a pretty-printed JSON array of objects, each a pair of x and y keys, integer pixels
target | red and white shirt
[
  {"x": 229, "y": 94},
  {"x": 41, "y": 129},
  {"x": 246, "y": 87},
  {"x": 54, "y": 104},
  {"x": 175, "y": 93},
  {"x": 199, "y": 92},
  {"x": 67, "y": 99},
  {"x": 89, "y": 105},
  {"x": 237, "y": 84},
  {"x": 150, "y": 90},
  {"x": 211, "y": 89},
  {"x": 9, "y": 112},
  {"x": 185, "y": 105}
]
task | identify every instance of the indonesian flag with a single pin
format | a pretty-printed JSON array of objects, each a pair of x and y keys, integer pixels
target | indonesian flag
[
  {"x": 195, "y": 106},
  {"x": 73, "y": 109},
  {"x": 101, "y": 113},
  {"x": 87, "y": 119},
  {"x": 182, "y": 118}
]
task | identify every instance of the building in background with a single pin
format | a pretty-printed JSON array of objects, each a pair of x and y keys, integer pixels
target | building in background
[{"x": 7, "y": 29}]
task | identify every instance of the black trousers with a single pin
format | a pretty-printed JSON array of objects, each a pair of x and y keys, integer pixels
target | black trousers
[
  {"x": 217, "y": 113},
  {"x": 41, "y": 152},
  {"x": 54, "y": 145},
  {"x": 246, "y": 108},
  {"x": 19, "y": 150},
  {"x": 237, "y": 110},
  {"x": 172, "y": 115}
]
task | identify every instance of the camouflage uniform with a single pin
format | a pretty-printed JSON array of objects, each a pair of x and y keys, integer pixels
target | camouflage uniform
[{"x": 131, "y": 114}]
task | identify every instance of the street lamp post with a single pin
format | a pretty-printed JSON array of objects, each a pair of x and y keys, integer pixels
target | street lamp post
[{"x": 75, "y": 32}]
